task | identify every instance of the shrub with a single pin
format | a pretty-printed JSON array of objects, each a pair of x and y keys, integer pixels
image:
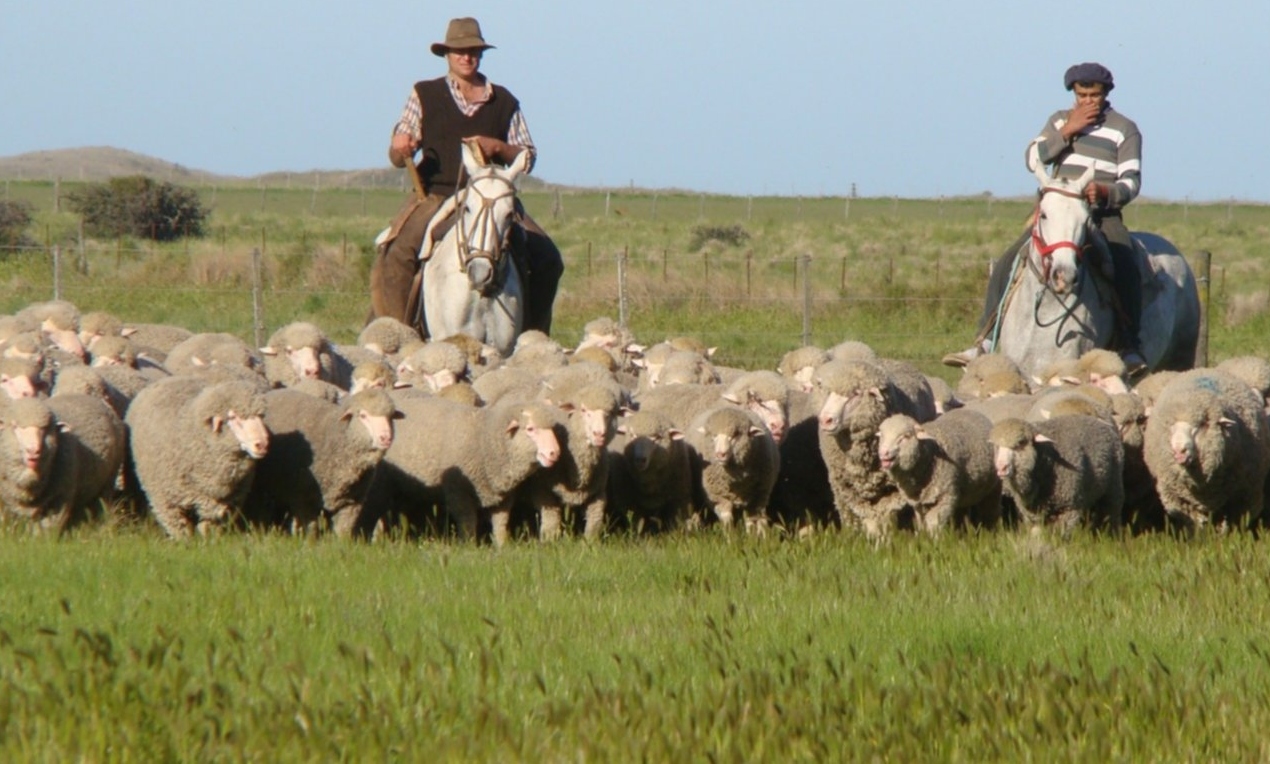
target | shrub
[
  {"x": 14, "y": 219},
  {"x": 732, "y": 235},
  {"x": 141, "y": 207}
]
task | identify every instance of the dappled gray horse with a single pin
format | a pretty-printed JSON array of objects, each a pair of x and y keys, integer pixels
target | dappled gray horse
[
  {"x": 1059, "y": 310},
  {"x": 471, "y": 286}
]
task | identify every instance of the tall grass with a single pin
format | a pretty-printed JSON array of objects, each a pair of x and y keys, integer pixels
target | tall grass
[{"x": 126, "y": 647}]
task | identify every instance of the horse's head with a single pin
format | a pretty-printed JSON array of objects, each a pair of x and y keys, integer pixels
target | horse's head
[
  {"x": 1058, "y": 231},
  {"x": 486, "y": 205}
]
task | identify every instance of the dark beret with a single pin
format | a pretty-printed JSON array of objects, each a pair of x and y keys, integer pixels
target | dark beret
[{"x": 1089, "y": 72}]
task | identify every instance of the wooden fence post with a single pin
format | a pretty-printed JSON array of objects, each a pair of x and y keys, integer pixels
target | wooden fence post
[
  {"x": 621, "y": 286},
  {"x": 805, "y": 262},
  {"x": 257, "y": 300},
  {"x": 1203, "y": 281}
]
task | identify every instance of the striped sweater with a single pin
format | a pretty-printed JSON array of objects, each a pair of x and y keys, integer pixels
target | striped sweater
[{"x": 1113, "y": 146}]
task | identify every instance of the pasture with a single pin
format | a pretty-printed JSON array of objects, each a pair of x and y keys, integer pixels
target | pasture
[{"x": 116, "y": 644}]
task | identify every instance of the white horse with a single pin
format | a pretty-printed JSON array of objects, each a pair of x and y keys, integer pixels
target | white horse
[
  {"x": 1058, "y": 310},
  {"x": 470, "y": 284}
]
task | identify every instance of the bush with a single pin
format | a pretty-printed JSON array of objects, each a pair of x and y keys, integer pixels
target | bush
[
  {"x": 14, "y": 219},
  {"x": 141, "y": 207},
  {"x": 732, "y": 235}
]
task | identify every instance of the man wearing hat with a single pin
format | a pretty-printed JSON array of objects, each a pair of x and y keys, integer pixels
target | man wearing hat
[
  {"x": 439, "y": 114},
  {"x": 1089, "y": 133}
]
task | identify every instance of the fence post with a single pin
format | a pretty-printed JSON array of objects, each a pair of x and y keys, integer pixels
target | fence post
[
  {"x": 1203, "y": 282},
  {"x": 805, "y": 262},
  {"x": 654, "y": 206},
  {"x": 257, "y": 300},
  {"x": 57, "y": 271},
  {"x": 846, "y": 209},
  {"x": 749, "y": 207},
  {"x": 608, "y": 197},
  {"x": 57, "y": 194},
  {"x": 81, "y": 263},
  {"x": 621, "y": 287}
]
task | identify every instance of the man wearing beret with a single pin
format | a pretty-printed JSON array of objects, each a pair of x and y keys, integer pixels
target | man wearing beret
[
  {"x": 439, "y": 115},
  {"x": 1089, "y": 133}
]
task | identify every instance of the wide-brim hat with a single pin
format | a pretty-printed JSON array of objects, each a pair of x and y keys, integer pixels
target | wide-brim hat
[{"x": 461, "y": 33}]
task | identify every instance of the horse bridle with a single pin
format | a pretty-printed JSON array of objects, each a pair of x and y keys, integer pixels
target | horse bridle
[
  {"x": 484, "y": 218},
  {"x": 1046, "y": 251}
]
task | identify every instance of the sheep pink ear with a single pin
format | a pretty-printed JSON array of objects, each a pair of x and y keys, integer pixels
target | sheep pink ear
[
  {"x": 627, "y": 411},
  {"x": 923, "y": 435},
  {"x": 128, "y": 331},
  {"x": 1226, "y": 422},
  {"x": 622, "y": 430},
  {"x": 196, "y": 361},
  {"x": 347, "y": 415},
  {"x": 565, "y": 407},
  {"x": 676, "y": 434},
  {"x": 215, "y": 422},
  {"x": 269, "y": 350},
  {"x": 1039, "y": 438},
  {"x": 731, "y": 398},
  {"x": 512, "y": 427},
  {"x": 756, "y": 431},
  {"x": 876, "y": 392},
  {"x": 63, "y": 427},
  {"x": 701, "y": 430},
  {"x": 399, "y": 385}
]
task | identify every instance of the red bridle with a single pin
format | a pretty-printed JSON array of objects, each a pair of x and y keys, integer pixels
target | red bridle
[{"x": 1046, "y": 251}]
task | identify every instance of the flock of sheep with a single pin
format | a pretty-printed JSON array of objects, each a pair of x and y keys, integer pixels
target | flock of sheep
[{"x": 203, "y": 432}]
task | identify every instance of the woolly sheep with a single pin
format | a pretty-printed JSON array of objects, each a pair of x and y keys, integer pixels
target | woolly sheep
[
  {"x": 578, "y": 479},
  {"x": 538, "y": 355},
  {"x": 799, "y": 365},
  {"x": 300, "y": 350},
  {"x": 480, "y": 357},
  {"x": 765, "y": 393},
  {"x": 20, "y": 378},
  {"x": 1208, "y": 447},
  {"x": 1254, "y": 371},
  {"x": 1142, "y": 508},
  {"x": 945, "y": 397},
  {"x": 507, "y": 381},
  {"x": 1086, "y": 399},
  {"x": 1104, "y": 368},
  {"x": 58, "y": 322},
  {"x": 433, "y": 366},
  {"x": 213, "y": 349},
  {"x": 321, "y": 459},
  {"x": 1066, "y": 472},
  {"x": 857, "y": 396},
  {"x": 57, "y": 458},
  {"x": 195, "y": 446},
  {"x": 96, "y": 325},
  {"x": 944, "y": 468},
  {"x": 852, "y": 350},
  {"x": 386, "y": 336},
  {"x": 1149, "y": 387},
  {"x": 615, "y": 340},
  {"x": 1005, "y": 376},
  {"x": 687, "y": 367},
  {"x": 739, "y": 462},
  {"x": 650, "y": 473},
  {"x": 472, "y": 460},
  {"x": 160, "y": 338}
]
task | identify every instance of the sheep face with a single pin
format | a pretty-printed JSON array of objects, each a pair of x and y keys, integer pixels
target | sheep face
[
  {"x": 839, "y": 410},
  {"x": 1015, "y": 453},
  {"x": 17, "y": 384},
  {"x": 597, "y": 423},
  {"x": 650, "y": 441},
  {"x": 539, "y": 431},
  {"x": 728, "y": 438},
  {"x": 1200, "y": 447},
  {"x": 249, "y": 431},
  {"x": 34, "y": 442},
  {"x": 898, "y": 447},
  {"x": 774, "y": 414},
  {"x": 65, "y": 338}
]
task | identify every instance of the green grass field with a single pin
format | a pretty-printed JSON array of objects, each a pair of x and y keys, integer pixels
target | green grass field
[{"x": 116, "y": 645}]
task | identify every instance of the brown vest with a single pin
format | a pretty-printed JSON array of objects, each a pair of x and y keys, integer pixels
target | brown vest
[{"x": 444, "y": 128}]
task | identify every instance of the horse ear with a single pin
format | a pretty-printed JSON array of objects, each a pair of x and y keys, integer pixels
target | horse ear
[
  {"x": 520, "y": 164},
  {"x": 1034, "y": 164},
  {"x": 471, "y": 162},
  {"x": 1085, "y": 178}
]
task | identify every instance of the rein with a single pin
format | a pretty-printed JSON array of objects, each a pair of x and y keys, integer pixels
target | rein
[
  {"x": 484, "y": 220},
  {"x": 1046, "y": 253}
]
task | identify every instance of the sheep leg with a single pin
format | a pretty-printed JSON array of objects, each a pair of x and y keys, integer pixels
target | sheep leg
[
  {"x": 595, "y": 518},
  {"x": 549, "y": 521},
  {"x": 174, "y": 522},
  {"x": 464, "y": 511},
  {"x": 500, "y": 517}
]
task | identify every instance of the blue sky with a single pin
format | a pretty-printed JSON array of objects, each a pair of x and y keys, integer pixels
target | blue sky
[{"x": 915, "y": 99}]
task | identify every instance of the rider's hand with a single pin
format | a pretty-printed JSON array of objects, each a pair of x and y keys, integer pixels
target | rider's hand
[
  {"x": 404, "y": 144},
  {"x": 1096, "y": 194},
  {"x": 1080, "y": 117}
]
